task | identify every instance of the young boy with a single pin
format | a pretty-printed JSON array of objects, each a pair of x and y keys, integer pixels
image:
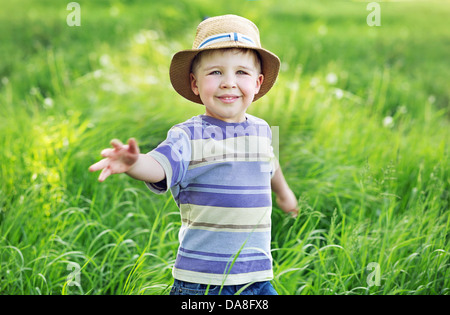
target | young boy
[{"x": 219, "y": 166}]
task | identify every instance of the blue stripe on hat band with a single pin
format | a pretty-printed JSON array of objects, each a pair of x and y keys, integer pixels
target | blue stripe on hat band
[{"x": 225, "y": 38}]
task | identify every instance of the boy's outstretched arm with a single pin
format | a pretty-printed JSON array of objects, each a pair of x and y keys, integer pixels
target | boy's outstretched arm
[
  {"x": 285, "y": 198},
  {"x": 127, "y": 159}
]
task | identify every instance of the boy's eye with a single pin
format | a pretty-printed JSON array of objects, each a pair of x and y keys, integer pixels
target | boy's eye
[
  {"x": 216, "y": 72},
  {"x": 241, "y": 72}
]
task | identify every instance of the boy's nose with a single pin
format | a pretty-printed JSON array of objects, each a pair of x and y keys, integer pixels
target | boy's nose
[{"x": 228, "y": 82}]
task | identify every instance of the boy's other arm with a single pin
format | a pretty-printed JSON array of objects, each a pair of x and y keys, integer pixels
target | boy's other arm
[
  {"x": 285, "y": 198},
  {"x": 127, "y": 159}
]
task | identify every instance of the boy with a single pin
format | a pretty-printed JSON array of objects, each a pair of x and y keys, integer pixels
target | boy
[{"x": 219, "y": 166}]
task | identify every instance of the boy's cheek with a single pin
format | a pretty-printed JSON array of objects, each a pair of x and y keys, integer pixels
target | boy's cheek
[{"x": 207, "y": 87}]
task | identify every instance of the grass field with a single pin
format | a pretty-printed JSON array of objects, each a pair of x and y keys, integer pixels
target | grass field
[{"x": 364, "y": 143}]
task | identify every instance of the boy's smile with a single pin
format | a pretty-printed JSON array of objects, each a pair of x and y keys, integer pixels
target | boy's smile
[
  {"x": 228, "y": 98},
  {"x": 227, "y": 81}
]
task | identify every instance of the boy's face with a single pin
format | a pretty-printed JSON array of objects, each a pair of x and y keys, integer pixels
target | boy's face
[{"x": 227, "y": 81}]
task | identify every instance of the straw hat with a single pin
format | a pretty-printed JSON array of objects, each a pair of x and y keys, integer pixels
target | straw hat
[{"x": 226, "y": 31}]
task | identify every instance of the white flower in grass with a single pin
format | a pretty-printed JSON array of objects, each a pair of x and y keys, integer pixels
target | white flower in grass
[
  {"x": 105, "y": 60},
  {"x": 331, "y": 78},
  {"x": 48, "y": 102},
  {"x": 388, "y": 122},
  {"x": 338, "y": 93}
]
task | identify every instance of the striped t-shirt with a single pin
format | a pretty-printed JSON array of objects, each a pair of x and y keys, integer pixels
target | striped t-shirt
[{"x": 219, "y": 174}]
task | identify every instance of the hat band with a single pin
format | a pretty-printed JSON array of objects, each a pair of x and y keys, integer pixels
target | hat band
[{"x": 227, "y": 37}]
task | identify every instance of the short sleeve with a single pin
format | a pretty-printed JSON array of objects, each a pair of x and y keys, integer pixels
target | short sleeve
[
  {"x": 274, "y": 165},
  {"x": 174, "y": 155}
]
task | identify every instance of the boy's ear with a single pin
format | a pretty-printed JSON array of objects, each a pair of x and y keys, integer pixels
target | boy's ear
[
  {"x": 259, "y": 82},
  {"x": 194, "y": 86}
]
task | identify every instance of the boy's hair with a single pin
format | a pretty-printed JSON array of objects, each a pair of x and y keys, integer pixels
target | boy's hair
[{"x": 257, "y": 59}]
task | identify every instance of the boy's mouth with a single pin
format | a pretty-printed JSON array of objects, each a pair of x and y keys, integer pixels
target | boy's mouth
[{"x": 228, "y": 98}]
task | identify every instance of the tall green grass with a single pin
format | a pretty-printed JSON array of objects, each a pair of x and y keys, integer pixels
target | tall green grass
[{"x": 364, "y": 128}]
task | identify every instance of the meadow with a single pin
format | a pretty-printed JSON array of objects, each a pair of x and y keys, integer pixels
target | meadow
[{"x": 363, "y": 115}]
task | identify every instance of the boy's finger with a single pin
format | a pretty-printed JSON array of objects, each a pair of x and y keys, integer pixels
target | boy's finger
[
  {"x": 99, "y": 165},
  {"x": 117, "y": 144},
  {"x": 104, "y": 174},
  {"x": 106, "y": 152},
  {"x": 132, "y": 146}
]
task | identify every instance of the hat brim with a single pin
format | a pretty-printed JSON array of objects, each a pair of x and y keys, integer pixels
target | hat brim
[{"x": 180, "y": 69}]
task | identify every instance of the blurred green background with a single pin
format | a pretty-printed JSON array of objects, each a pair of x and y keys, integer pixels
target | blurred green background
[{"x": 364, "y": 130}]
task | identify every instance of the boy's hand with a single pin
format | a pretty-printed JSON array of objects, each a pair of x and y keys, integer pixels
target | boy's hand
[{"x": 117, "y": 160}]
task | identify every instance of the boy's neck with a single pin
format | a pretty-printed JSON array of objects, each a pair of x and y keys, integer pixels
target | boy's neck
[{"x": 239, "y": 119}]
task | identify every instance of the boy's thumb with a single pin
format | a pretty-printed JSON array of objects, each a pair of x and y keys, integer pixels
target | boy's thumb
[{"x": 132, "y": 146}]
